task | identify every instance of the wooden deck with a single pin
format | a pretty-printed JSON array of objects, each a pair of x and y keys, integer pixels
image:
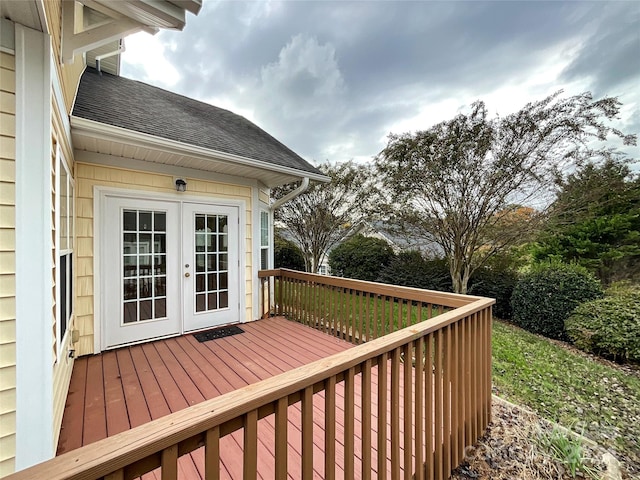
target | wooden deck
[{"x": 121, "y": 389}]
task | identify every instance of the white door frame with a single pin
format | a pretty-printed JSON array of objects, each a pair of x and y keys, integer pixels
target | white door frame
[{"x": 100, "y": 193}]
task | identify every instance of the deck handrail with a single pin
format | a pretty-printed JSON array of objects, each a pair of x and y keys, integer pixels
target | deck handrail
[{"x": 446, "y": 384}]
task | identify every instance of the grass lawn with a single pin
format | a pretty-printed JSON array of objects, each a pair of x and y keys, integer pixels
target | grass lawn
[{"x": 593, "y": 398}]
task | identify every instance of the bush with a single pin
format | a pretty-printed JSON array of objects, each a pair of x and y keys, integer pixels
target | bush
[
  {"x": 411, "y": 269},
  {"x": 546, "y": 296},
  {"x": 286, "y": 254},
  {"x": 360, "y": 257},
  {"x": 495, "y": 283},
  {"x": 609, "y": 326}
]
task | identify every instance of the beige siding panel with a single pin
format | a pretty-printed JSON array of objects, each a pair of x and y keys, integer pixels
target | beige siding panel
[
  {"x": 87, "y": 177},
  {"x": 7, "y": 216},
  {"x": 7, "y": 264},
  {"x": 8, "y": 444},
  {"x": 7, "y": 102},
  {"x": 7, "y": 308},
  {"x": 7, "y": 401},
  {"x": 7, "y": 379},
  {"x": 7, "y": 332},
  {"x": 7, "y": 354},
  {"x": 7, "y": 153},
  {"x": 7, "y": 61},
  {"x": 7, "y": 193},
  {"x": 7, "y": 466},
  {"x": 7, "y": 239},
  {"x": 7, "y": 81},
  {"x": 7, "y": 124},
  {"x": 7, "y": 287}
]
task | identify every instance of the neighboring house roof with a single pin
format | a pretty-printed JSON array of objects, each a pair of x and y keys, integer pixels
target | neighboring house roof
[
  {"x": 138, "y": 107},
  {"x": 400, "y": 239}
]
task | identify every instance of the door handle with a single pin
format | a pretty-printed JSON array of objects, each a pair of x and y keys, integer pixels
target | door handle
[{"x": 187, "y": 274}]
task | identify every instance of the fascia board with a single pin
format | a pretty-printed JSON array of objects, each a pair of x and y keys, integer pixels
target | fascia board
[{"x": 112, "y": 133}]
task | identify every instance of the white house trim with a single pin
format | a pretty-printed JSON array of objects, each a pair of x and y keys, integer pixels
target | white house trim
[
  {"x": 101, "y": 131},
  {"x": 34, "y": 341}
]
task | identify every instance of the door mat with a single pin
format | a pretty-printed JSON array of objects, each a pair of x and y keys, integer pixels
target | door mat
[{"x": 217, "y": 333}]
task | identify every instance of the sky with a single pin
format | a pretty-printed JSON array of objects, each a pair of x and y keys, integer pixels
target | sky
[{"x": 331, "y": 80}]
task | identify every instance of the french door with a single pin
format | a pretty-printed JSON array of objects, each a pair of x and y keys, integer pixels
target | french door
[
  {"x": 167, "y": 268},
  {"x": 210, "y": 265}
]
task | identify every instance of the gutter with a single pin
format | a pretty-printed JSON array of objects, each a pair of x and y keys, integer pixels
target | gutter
[{"x": 291, "y": 195}]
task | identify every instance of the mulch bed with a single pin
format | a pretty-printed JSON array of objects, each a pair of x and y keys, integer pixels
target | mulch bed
[{"x": 510, "y": 450}]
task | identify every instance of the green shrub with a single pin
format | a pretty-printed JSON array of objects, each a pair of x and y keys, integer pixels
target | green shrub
[
  {"x": 286, "y": 254},
  {"x": 411, "y": 269},
  {"x": 547, "y": 295},
  {"x": 609, "y": 326},
  {"x": 360, "y": 257},
  {"x": 495, "y": 283}
]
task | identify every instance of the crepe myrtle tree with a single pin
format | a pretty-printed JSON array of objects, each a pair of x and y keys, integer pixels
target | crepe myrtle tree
[
  {"x": 458, "y": 182},
  {"x": 327, "y": 212}
]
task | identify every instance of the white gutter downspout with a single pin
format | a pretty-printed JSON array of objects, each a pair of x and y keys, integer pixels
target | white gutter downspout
[
  {"x": 121, "y": 49},
  {"x": 291, "y": 195}
]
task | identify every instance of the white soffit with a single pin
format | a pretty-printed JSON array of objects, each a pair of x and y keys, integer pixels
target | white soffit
[{"x": 92, "y": 142}]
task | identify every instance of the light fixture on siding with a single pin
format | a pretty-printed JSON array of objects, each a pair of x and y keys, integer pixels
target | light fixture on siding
[{"x": 181, "y": 185}]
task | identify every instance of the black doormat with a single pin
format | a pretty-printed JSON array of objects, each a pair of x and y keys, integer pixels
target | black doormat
[{"x": 217, "y": 333}]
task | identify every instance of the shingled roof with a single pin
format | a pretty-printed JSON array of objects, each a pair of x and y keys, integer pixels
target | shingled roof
[{"x": 133, "y": 105}]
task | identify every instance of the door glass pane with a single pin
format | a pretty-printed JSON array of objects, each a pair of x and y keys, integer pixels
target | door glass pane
[
  {"x": 211, "y": 235},
  {"x": 144, "y": 265}
]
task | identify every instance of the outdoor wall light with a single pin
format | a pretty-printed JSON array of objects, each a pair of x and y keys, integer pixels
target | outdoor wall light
[{"x": 181, "y": 185}]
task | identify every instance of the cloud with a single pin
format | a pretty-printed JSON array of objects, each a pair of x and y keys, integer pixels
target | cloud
[{"x": 332, "y": 79}]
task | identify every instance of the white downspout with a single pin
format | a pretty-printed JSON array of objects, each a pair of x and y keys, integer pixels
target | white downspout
[
  {"x": 121, "y": 49},
  {"x": 298, "y": 191}
]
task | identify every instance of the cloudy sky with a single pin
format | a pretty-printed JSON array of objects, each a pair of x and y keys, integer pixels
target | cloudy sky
[{"x": 332, "y": 79}]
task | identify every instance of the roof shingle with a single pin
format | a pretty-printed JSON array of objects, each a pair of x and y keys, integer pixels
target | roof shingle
[{"x": 143, "y": 108}]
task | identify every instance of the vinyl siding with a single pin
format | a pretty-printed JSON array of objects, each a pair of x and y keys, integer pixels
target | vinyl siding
[
  {"x": 69, "y": 74},
  {"x": 7, "y": 266},
  {"x": 89, "y": 175}
]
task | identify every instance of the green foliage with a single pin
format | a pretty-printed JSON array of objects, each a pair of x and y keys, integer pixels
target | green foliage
[
  {"x": 609, "y": 326},
  {"x": 360, "y": 257},
  {"x": 547, "y": 295},
  {"x": 411, "y": 269},
  {"x": 566, "y": 448},
  {"x": 456, "y": 182},
  {"x": 286, "y": 254},
  {"x": 567, "y": 387},
  {"x": 595, "y": 221},
  {"x": 498, "y": 284}
]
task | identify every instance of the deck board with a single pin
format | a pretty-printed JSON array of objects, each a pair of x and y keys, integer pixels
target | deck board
[{"x": 133, "y": 385}]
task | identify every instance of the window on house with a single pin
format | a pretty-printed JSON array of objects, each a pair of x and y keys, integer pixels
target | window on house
[
  {"x": 65, "y": 189},
  {"x": 264, "y": 240}
]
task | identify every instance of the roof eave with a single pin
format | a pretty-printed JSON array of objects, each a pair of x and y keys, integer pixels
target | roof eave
[{"x": 112, "y": 133}]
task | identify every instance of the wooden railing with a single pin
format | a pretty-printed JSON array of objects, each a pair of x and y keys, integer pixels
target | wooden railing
[
  {"x": 353, "y": 310},
  {"x": 430, "y": 400}
]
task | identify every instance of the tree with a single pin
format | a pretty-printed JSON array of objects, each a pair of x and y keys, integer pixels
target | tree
[
  {"x": 327, "y": 212},
  {"x": 286, "y": 254},
  {"x": 360, "y": 257},
  {"x": 458, "y": 182},
  {"x": 595, "y": 221}
]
